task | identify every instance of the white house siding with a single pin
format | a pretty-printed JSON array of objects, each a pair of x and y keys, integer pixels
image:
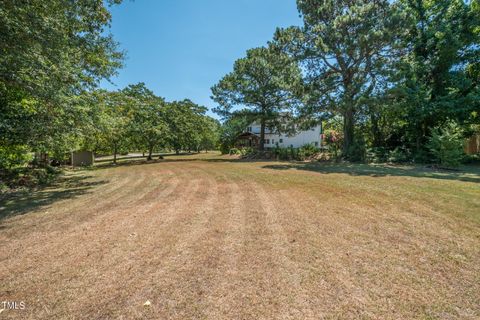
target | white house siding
[{"x": 311, "y": 136}]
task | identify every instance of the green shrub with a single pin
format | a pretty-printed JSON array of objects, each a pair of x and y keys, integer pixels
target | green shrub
[
  {"x": 37, "y": 176},
  {"x": 357, "y": 151},
  {"x": 301, "y": 155},
  {"x": 398, "y": 155},
  {"x": 51, "y": 170},
  {"x": 14, "y": 156},
  {"x": 3, "y": 187},
  {"x": 334, "y": 140},
  {"x": 376, "y": 155},
  {"x": 446, "y": 144},
  {"x": 28, "y": 177},
  {"x": 281, "y": 153},
  {"x": 309, "y": 150},
  {"x": 382, "y": 155},
  {"x": 234, "y": 151},
  {"x": 243, "y": 151},
  {"x": 291, "y": 153},
  {"x": 472, "y": 158},
  {"x": 224, "y": 149},
  {"x": 248, "y": 151},
  {"x": 422, "y": 156}
]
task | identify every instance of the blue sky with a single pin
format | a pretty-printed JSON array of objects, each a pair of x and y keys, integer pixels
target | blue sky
[{"x": 180, "y": 48}]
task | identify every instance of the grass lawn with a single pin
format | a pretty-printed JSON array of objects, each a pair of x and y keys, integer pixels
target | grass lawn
[{"x": 208, "y": 237}]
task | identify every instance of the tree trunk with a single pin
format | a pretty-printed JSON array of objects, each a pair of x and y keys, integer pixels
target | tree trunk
[
  {"x": 261, "y": 147},
  {"x": 150, "y": 152},
  {"x": 177, "y": 151},
  {"x": 348, "y": 115},
  {"x": 115, "y": 153},
  {"x": 377, "y": 135},
  {"x": 348, "y": 130}
]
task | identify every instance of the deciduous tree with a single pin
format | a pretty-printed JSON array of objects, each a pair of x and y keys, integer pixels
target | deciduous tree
[{"x": 148, "y": 126}]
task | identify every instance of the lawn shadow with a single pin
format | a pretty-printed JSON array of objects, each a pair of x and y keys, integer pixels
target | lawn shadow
[
  {"x": 470, "y": 173},
  {"x": 121, "y": 158},
  {"x": 137, "y": 162},
  {"x": 467, "y": 174},
  {"x": 65, "y": 187},
  {"x": 167, "y": 158}
]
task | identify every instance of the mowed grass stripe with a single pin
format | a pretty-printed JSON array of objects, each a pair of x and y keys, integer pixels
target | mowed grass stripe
[
  {"x": 218, "y": 239},
  {"x": 123, "y": 250},
  {"x": 192, "y": 224}
]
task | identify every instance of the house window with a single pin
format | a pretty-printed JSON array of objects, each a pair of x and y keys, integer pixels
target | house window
[
  {"x": 267, "y": 141},
  {"x": 249, "y": 129},
  {"x": 281, "y": 140},
  {"x": 316, "y": 143},
  {"x": 273, "y": 141}
]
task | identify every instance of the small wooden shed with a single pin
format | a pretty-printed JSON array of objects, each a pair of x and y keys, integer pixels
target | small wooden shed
[
  {"x": 472, "y": 145},
  {"x": 82, "y": 158}
]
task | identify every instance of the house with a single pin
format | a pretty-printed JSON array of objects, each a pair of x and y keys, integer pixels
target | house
[{"x": 251, "y": 137}]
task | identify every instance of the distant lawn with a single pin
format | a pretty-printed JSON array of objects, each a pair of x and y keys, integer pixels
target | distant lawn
[
  {"x": 398, "y": 181},
  {"x": 207, "y": 236},
  {"x": 469, "y": 173}
]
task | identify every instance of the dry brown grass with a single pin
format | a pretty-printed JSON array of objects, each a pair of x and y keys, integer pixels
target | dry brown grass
[{"x": 244, "y": 240}]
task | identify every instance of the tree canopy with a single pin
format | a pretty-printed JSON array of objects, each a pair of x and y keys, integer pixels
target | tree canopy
[
  {"x": 396, "y": 74},
  {"x": 52, "y": 53},
  {"x": 53, "y": 56},
  {"x": 344, "y": 48},
  {"x": 265, "y": 83},
  {"x": 391, "y": 71}
]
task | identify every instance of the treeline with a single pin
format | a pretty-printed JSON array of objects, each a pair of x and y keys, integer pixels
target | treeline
[
  {"x": 53, "y": 56},
  {"x": 386, "y": 78},
  {"x": 135, "y": 119},
  {"x": 111, "y": 122}
]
